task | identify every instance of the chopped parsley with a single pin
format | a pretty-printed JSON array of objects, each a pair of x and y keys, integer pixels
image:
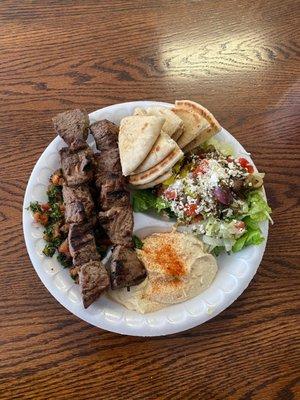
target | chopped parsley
[
  {"x": 34, "y": 207},
  {"x": 55, "y": 212},
  {"x": 65, "y": 261},
  {"x": 54, "y": 194},
  {"x": 51, "y": 246},
  {"x": 138, "y": 244}
]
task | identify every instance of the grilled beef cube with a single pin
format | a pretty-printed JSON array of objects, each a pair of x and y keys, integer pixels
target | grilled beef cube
[
  {"x": 107, "y": 166},
  {"x": 105, "y": 134},
  {"x": 112, "y": 193},
  {"x": 94, "y": 280},
  {"x": 77, "y": 166},
  {"x": 78, "y": 202},
  {"x": 118, "y": 224},
  {"x": 82, "y": 244},
  {"x": 72, "y": 127},
  {"x": 100, "y": 173},
  {"x": 125, "y": 268}
]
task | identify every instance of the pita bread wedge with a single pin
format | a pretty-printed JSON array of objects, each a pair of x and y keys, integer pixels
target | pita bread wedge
[
  {"x": 178, "y": 133},
  {"x": 163, "y": 146},
  {"x": 156, "y": 181},
  {"x": 159, "y": 169},
  {"x": 196, "y": 119},
  {"x": 205, "y": 135},
  {"x": 136, "y": 138},
  {"x": 173, "y": 125}
]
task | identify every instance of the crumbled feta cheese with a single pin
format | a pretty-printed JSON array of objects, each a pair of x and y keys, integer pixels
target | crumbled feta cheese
[{"x": 198, "y": 187}]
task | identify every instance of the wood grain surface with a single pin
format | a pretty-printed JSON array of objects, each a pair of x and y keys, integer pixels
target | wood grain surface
[{"x": 238, "y": 58}]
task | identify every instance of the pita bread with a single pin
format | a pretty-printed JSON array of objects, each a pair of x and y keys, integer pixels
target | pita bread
[
  {"x": 203, "y": 137},
  {"x": 173, "y": 124},
  {"x": 156, "y": 181},
  {"x": 178, "y": 133},
  {"x": 163, "y": 146},
  {"x": 196, "y": 119},
  {"x": 159, "y": 169},
  {"x": 136, "y": 138}
]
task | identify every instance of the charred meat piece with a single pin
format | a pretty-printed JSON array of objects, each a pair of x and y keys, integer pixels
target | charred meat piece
[
  {"x": 77, "y": 166},
  {"x": 107, "y": 166},
  {"x": 125, "y": 268},
  {"x": 105, "y": 134},
  {"x": 113, "y": 193},
  {"x": 82, "y": 244},
  {"x": 117, "y": 216},
  {"x": 94, "y": 280},
  {"x": 78, "y": 202},
  {"x": 118, "y": 224},
  {"x": 72, "y": 127}
]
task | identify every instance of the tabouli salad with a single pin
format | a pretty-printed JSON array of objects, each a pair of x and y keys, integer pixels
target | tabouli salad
[
  {"x": 213, "y": 194},
  {"x": 51, "y": 215}
]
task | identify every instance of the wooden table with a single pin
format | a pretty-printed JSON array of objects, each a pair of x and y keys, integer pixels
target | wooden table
[{"x": 239, "y": 59}]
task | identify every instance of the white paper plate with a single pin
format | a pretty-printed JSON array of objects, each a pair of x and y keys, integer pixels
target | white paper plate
[{"x": 234, "y": 275}]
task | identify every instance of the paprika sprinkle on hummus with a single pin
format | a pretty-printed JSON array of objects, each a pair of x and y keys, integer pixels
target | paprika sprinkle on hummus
[{"x": 178, "y": 269}]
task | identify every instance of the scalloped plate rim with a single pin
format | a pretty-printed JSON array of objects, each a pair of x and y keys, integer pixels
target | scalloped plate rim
[{"x": 123, "y": 326}]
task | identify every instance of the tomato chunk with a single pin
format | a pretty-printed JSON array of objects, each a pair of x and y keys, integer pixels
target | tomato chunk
[
  {"x": 201, "y": 168},
  {"x": 246, "y": 165},
  {"x": 250, "y": 168},
  {"x": 190, "y": 210},
  {"x": 170, "y": 194},
  {"x": 45, "y": 207},
  {"x": 40, "y": 218},
  {"x": 64, "y": 248},
  {"x": 240, "y": 225}
]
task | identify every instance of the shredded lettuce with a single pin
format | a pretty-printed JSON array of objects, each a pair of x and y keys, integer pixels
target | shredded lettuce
[
  {"x": 222, "y": 236},
  {"x": 145, "y": 200},
  {"x": 224, "y": 148}
]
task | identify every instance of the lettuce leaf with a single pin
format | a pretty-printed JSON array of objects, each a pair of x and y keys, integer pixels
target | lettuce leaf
[
  {"x": 251, "y": 236},
  {"x": 145, "y": 200},
  {"x": 258, "y": 207},
  {"x": 258, "y": 211}
]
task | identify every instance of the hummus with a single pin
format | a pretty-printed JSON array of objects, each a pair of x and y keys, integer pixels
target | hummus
[{"x": 178, "y": 269}]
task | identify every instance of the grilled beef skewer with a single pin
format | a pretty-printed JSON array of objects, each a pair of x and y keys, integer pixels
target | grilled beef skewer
[
  {"x": 116, "y": 215},
  {"x": 77, "y": 165}
]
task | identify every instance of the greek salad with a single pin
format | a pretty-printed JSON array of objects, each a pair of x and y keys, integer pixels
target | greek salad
[{"x": 213, "y": 194}]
